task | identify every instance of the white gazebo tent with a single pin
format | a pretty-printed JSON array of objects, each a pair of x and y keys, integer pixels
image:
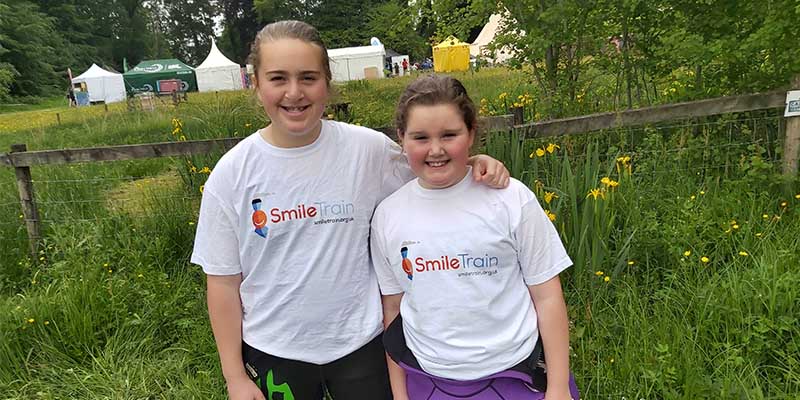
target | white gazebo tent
[
  {"x": 102, "y": 85},
  {"x": 354, "y": 63},
  {"x": 481, "y": 43},
  {"x": 217, "y": 72}
]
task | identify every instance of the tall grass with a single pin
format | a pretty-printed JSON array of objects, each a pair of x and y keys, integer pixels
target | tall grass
[{"x": 684, "y": 280}]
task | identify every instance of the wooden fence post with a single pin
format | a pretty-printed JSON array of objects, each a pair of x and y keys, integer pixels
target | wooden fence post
[
  {"x": 58, "y": 118},
  {"x": 791, "y": 146},
  {"x": 28, "y": 203},
  {"x": 519, "y": 115}
]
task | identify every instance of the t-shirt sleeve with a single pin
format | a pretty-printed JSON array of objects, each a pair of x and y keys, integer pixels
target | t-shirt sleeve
[
  {"x": 387, "y": 281},
  {"x": 541, "y": 254},
  {"x": 216, "y": 244},
  {"x": 394, "y": 168}
]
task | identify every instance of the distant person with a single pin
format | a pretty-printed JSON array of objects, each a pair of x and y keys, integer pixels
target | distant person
[
  {"x": 405, "y": 67},
  {"x": 283, "y": 236},
  {"x": 469, "y": 275},
  {"x": 396, "y": 69},
  {"x": 71, "y": 97}
]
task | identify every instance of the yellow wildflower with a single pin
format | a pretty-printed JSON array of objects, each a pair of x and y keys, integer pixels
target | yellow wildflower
[
  {"x": 540, "y": 152},
  {"x": 140, "y": 276},
  {"x": 549, "y": 196},
  {"x": 759, "y": 234},
  {"x": 47, "y": 322},
  {"x": 743, "y": 253},
  {"x": 765, "y": 216},
  {"x": 705, "y": 259},
  {"x": 551, "y": 147},
  {"x": 607, "y": 279},
  {"x": 193, "y": 169},
  {"x": 687, "y": 253},
  {"x": 31, "y": 320},
  {"x": 247, "y": 125},
  {"x": 702, "y": 192},
  {"x": 631, "y": 262},
  {"x": 550, "y": 215},
  {"x": 692, "y": 197},
  {"x": 595, "y": 193},
  {"x": 606, "y": 180},
  {"x": 201, "y": 188},
  {"x": 735, "y": 226},
  {"x": 784, "y": 204},
  {"x": 205, "y": 170},
  {"x": 797, "y": 196},
  {"x": 599, "y": 273}
]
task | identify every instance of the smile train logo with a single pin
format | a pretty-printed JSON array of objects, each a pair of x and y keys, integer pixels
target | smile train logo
[
  {"x": 259, "y": 219},
  {"x": 407, "y": 268}
]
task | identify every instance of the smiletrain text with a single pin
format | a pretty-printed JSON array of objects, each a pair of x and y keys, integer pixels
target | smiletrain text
[
  {"x": 463, "y": 260},
  {"x": 321, "y": 209}
]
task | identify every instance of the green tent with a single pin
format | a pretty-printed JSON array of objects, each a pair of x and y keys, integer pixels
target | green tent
[{"x": 149, "y": 76}]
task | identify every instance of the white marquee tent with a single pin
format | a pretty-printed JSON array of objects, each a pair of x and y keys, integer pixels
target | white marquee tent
[
  {"x": 353, "y": 63},
  {"x": 102, "y": 85},
  {"x": 217, "y": 72},
  {"x": 481, "y": 43}
]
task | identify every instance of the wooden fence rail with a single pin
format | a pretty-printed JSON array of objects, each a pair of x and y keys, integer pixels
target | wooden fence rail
[
  {"x": 22, "y": 160},
  {"x": 656, "y": 114}
]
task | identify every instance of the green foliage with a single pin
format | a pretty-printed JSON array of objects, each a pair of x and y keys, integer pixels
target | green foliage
[
  {"x": 191, "y": 28},
  {"x": 27, "y": 39},
  {"x": 394, "y": 25},
  {"x": 240, "y": 25}
]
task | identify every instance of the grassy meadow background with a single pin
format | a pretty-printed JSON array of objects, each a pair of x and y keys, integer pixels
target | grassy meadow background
[{"x": 684, "y": 236}]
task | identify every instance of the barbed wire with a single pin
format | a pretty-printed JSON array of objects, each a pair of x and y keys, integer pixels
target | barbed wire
[{"x": 122, "y": 200}]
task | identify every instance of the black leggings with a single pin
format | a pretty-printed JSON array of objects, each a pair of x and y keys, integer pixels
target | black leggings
[{"x": 360, "y": 375}]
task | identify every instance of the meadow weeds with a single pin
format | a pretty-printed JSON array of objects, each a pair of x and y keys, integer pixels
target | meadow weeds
[{"x": 684, "y": 238}]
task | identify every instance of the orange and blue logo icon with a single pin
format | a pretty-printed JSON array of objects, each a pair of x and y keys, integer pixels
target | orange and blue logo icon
[
  {"x": 259, "y": 219},
  {"x": 407, "y": 268}
]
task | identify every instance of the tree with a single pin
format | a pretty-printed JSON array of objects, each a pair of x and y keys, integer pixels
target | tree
[
  {"x": 553, "y": 38},
  {"x": 27, "y": 40},
  {"x": 276, "y": 10},
  {"x": 190, "y": 28},
  {"x": 393, "y": 24},
  {"x": 463, "y": 19},
  {"x": 240, "y": 28}
]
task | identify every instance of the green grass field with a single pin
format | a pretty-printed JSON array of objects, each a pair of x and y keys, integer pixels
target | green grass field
[{"x": 685, "y": 284}]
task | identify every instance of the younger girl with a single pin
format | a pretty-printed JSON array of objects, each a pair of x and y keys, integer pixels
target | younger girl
[
  {"x": 283, "y": 236},
  {"x": 469, "y": 275}
]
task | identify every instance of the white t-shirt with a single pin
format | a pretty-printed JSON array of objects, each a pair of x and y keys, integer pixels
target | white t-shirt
[
  {"x": 471, "y": 250},
  {"x": 295, "y": 223}
]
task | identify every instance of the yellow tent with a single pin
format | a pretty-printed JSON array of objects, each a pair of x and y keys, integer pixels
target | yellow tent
[{"x": 451, "y": 55}]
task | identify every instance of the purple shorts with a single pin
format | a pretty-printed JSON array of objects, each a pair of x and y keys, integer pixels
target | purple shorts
[{"x": 524, "y": 381}]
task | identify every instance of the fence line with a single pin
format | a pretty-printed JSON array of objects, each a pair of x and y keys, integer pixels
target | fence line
[{"x": 655, "y": 114}]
